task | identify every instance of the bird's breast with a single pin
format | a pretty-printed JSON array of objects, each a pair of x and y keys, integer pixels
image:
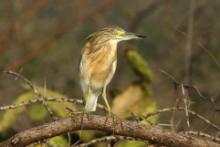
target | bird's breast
[
  {"x": 99, "y": 65},
  {"x": 102, "y": 66}
]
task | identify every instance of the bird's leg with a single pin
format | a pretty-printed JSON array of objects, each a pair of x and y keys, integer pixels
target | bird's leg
[
  {"x": 106, "y": 101},
  {"x": 88, "y": 92}
]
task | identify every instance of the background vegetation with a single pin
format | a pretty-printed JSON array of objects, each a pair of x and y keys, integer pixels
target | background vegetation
[{"x": 42, "y": 40}]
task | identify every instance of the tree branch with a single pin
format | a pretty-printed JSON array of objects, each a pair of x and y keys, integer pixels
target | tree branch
[{"x": 76, "y": 122}]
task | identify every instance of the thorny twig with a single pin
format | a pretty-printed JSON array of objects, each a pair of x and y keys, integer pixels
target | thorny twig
[
  {"x": 140, "y": 118},
  {"x": 22, "y": 78},
  {"x": 177, "y": 101},
  {"x": 214, "y": 138},
  {"x": 49, "y": 99},
  {"x": 182, "y": 88},
  {"x": 210, "y": 54},
  {"x": 44, "y": 102},
  {"x": 198, "y": 43},
  {"x": 35, "y": 91},
  {"x": 40, "y": 98},
  {"x": 80, "y": 102},
  {"x": 193, "y": 87},
  {"x": 185, "y": 105}
]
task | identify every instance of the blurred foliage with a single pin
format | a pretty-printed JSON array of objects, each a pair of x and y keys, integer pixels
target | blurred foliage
[
  {"x": 133, "y": 100},
  {"x": 36, "y": 111},
  {"x": 57, "y": 141},
  {"x": 139, "y": 65},
  {"x": 86, "y": 136},
  {"x": 43, "y": 39},
  {"x": 9, "y": 117},
  {"x": 131, "y": 144},
  {"x": 137, "y": 97}
]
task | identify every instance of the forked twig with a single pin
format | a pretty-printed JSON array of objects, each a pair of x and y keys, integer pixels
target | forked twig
[
  {"x": 50, "y": 99},
  {"x": 216, "y": 139},
  {"x": 35, "y": 91},
  {"x": 23, "y": 79},
  {"x": 193, "y": 87},
  {"x": 140, "y": 118}
]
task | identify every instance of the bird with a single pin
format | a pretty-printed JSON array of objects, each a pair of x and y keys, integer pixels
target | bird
[{"x": 98, "y": 63}]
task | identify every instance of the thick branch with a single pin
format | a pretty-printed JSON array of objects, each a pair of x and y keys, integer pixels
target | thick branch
[{"x": 102, "y": 123}]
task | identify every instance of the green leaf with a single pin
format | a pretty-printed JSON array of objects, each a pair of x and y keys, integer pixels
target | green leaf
[
  {"x": 10, "y": 116},
  {"x": 132, "y": 144},
  {"x": 37, "y": 112},
  {"x": 151, "y": 107},
  {"x": 133, "y": 100},
  {"x": 86, "y": 135},
  {"x": 139, "y": 65},
  {"x": 58, "y": 141},
  {"x": 57, "y": 107}
]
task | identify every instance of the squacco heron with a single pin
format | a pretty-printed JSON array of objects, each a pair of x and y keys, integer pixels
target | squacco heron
[{"x": 98, "y": 63}]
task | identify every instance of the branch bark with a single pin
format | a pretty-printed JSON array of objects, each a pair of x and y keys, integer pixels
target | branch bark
[{"x": 95, "y": 122}]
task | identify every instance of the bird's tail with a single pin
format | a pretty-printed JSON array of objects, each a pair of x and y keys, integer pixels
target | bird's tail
[{"x": 91, "y": 102}]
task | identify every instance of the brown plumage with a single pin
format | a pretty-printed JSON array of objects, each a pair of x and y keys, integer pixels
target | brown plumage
[{"x": 98, "y": 63}]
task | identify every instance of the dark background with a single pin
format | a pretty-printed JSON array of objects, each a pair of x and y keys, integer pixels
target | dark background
[{"x": 42, "y": 40}]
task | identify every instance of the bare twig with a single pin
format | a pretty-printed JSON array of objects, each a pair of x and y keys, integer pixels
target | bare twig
[
  {"x": 173, "y": 116},
  {"x": 189, "y": 41},
  {"x": 203, "y": 135},
  {"x": 185, "y": 104},
  {"x": 177, "y": 100},
  {"x": 193, "y": 87},
  {"x": 44, "y": 102},
  {"x": 23, "y": 79},
  {"x": 210, "y": 55},
  {"x": 79, "y": 102},
  {"x": 35, "y": 91},
  {"x": 140, "y": 118},
  {"x": 96, "y": 122},
  {"x": 51, "y": 99},
  {"x": 170, "y": 76},
  {"x": 205, "y": 49}
]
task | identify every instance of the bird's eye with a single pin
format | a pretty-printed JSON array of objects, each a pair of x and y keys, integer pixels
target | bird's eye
[{"x": 120, "y": 33}]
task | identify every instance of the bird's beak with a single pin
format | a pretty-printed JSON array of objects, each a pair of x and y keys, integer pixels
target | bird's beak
[{"x": 129, "y": 36}]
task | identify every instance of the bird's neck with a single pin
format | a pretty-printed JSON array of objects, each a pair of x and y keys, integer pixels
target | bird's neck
[{"x": 113, "y": 44}]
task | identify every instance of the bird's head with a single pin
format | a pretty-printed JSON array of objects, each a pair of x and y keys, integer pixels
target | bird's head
[{"x": 114, "y": 33}]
